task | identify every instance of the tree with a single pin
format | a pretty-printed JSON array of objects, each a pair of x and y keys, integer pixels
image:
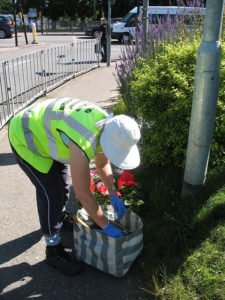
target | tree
[
  {"x": 120, "y": 8},
  {"x": 6, "y": 7},
  {"x": 55, "y": 9},
  {"x": 84, "y": 9},
  {"x": 72, "y": 8}
]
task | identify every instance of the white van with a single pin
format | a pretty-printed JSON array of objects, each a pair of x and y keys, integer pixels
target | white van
[{"x": 126, "y": 29}]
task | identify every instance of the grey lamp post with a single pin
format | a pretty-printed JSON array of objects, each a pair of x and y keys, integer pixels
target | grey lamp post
[{"x": 204, "y": 99}]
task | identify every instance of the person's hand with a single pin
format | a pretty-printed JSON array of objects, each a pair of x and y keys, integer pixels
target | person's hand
[
  {"x": 118, "y": 205},
  {"x": 112, "y": 231}
]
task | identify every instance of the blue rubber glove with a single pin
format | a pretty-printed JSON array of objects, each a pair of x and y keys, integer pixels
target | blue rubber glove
[
  {"x": 112, "y": 231},
  {"x": 118, "y": 205}
]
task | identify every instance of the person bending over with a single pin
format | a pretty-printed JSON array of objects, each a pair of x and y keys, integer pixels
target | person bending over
[{"x": 46, "y": 137}]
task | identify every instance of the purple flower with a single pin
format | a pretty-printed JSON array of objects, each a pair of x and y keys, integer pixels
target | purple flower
[{"x": 160, "y": 31}]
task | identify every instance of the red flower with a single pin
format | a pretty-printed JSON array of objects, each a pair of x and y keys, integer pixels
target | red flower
[
  {"x": 103, "y": 190},
  {"x": 126, "y": 178},
  {"x": 130, "y": 182},
  {"x": 92, "y": 188},
  {"x": 92, "y": 185}
]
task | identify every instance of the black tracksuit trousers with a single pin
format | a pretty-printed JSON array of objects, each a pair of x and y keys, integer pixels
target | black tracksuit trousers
[{"x": 52, "y": 192}]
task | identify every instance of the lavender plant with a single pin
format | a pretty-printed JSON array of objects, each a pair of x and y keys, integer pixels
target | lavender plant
[{"x": 161, "y": 31}]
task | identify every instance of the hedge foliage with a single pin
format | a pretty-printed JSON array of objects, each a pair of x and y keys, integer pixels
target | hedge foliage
[{"x": 159, "y": 93}]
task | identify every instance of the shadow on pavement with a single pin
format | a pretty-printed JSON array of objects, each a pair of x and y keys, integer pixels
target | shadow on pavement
[
  {"x": 15, "y": 247},
  {"x": 41, "y": 281}
]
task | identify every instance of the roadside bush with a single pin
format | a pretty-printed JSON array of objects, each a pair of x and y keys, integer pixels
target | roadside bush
[
  {"x": 160, "y": 93},
  {"x": 163, "y": 90}
]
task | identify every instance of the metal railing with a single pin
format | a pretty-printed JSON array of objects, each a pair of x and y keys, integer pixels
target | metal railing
[
  {"x": 57, "y": 25},
  {"x": 26, "y": 78}
]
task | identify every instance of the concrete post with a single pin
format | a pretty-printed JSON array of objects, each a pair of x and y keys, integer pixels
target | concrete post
[
  {"x": 204, "y": 99},
  {"x": 145, "y": 23}
]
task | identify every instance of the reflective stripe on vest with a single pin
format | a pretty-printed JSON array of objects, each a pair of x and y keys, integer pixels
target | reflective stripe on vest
[
  {"x": 28, "y": 134},
  {"x": 51, "y": 115}
]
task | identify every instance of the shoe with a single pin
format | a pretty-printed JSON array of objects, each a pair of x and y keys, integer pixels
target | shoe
[
  {"x": 103, "y": 60},
  {"x": 57, "y": 257}
]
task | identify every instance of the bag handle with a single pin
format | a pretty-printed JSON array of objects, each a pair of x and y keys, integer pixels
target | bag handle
[{"x": 78, "y": 220}]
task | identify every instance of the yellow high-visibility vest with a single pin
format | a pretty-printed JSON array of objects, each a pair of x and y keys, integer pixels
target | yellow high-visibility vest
[{"x": 35, "y": 133}]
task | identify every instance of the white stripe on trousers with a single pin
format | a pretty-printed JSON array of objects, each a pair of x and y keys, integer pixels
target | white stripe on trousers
[{"x": 49, "y": 226}]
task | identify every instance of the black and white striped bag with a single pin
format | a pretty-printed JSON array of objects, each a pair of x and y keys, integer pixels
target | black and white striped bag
[{"x": 111, "y": 255}]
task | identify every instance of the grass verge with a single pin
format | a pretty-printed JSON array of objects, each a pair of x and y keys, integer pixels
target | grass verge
[{"x": 184, "y": 253}]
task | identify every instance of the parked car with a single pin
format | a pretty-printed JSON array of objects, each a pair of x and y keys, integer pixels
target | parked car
[
  {"x": 95, "y": 29},
  {"x": 116, "y": 20},
  {"x": 6, "y": 26}
]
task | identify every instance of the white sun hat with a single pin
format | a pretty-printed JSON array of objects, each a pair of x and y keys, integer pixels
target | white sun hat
[{"x": 119, "y": 142}]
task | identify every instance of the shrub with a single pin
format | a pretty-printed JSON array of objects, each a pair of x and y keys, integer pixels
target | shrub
[
  {"x": 160, "y": 92},
  {"x": 163, "y": 90}
]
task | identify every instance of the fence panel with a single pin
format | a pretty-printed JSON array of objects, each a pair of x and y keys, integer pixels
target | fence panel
[{"x": 26, "y": 78}]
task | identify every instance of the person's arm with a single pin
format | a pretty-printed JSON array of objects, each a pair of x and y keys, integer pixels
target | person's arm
[
  {"x": 79, "y": 166},
  {"x": 105, "y": 171},
  {"x": 100, "y": 35}
]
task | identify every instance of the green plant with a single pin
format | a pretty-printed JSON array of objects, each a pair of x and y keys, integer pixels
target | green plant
[
  {"x": 127, "y": 189},
  {"x": 160, "y": 96},
  {"x": 163, "y": 90},
  {"x": 130, "y": 191},
  {"x": 120, "y": 107}
]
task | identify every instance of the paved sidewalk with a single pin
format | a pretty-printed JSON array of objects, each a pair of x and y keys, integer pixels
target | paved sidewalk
[{"x": 23, "y": 272}]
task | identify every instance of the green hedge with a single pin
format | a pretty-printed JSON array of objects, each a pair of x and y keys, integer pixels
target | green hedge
[{"x": 160, "y": 93}]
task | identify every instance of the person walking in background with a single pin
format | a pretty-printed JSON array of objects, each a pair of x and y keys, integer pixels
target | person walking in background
[
  {"x": 103, "y": 39},
  {"x": 46, "y": 136}
]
